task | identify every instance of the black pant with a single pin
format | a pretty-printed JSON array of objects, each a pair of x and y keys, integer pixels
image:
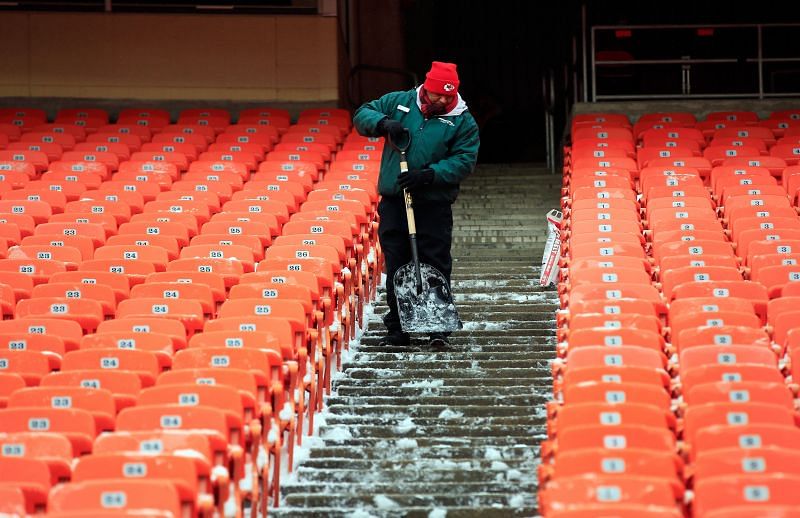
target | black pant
[{"x": 434, "y": 223}]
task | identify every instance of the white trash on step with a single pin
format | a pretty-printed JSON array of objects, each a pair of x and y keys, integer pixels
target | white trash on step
[{"x": 552, "y": 249}]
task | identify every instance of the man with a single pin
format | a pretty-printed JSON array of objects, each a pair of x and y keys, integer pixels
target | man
[{"x": 443, "y": 151}]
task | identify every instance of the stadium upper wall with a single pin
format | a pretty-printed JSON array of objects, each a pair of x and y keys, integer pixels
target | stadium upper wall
[{"x": 169, "y": 56}]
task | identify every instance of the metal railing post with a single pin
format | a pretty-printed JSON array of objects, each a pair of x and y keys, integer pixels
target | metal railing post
[
  {"x": 583, "y": 44},
  {"x": 594, "y": 70},
  {"x": 760, "y": 65}
]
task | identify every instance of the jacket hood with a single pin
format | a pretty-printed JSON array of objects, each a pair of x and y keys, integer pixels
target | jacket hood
[{"x": 461, "y": 105}]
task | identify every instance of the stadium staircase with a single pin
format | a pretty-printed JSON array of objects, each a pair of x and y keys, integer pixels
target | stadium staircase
[{"x": 411, "y": 431}]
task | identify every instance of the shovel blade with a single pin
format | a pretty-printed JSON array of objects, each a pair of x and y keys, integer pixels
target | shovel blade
[{"x": 429, "y": 310}]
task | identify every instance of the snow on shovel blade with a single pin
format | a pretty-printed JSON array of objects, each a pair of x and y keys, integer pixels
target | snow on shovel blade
[{"x": 432, "y": 310}]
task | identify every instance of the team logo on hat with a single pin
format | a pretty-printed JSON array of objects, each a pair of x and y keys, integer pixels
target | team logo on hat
[{"x": 449, "y": 87}]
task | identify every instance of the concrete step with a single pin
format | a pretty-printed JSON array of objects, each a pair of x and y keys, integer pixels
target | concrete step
[
  {"x": 514, "y": 452},
  {"x": 545, "y": 338},
  {"x": 402, "y": 500},
  {"x": 372, "y": 358},
  {"x": 499, "y": 251},
  {"x": 445, "y": 473},
  {"x": 429, "y": 411},
  {"x": 405, "y": 426},
  {"x": 400, "y": 426},
  {"x": 510, "y": 262},
  {"x": 512, "y": 390},
  {"x": 464, "y": 488},
  {"x": 507, "y": 239},
  {"x": 473, "y": 333},
  {"x": 521, "y": 217},
  {"x": 416, "y": 464},
  {"x": 436, "y": 372},
  {"x": 482, "y": 444},
  {"x": 493, "y": 366},
  {"x": 514, "y": 396},
  {"x": 426, "y": 511}
]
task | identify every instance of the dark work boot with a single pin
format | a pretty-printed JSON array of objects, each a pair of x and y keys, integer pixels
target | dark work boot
[
  {"x": 439, "y": 340},
  {"x": 395, "y": 337}
]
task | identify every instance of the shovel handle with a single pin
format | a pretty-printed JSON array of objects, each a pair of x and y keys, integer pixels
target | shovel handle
[{"x": 412, "y": 225}]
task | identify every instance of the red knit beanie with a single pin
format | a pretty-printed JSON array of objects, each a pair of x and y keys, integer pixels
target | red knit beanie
[{"x": 442, "y": 79}]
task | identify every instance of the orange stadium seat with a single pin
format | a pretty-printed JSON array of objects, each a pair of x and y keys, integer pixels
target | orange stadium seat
[
  {"x": 233, "y": 173},
  {"x": 77, "y": 425},
  {"x": 616, "y": 119},
  {"x": 648, "y": 464},
  {"x": 215, "y": 281},
  {"x": 315, "y": 128},
  {"x": 9, "y": 382},
  {"x": 147, "y": 324},
  {"x": 751, "y": 393},
  {"x": 172, "y": 470},
  {"x": 727, "y": 373},
  {"x": 144, "y": 363},
  {"x": 289, "y": 145},
  {"x": 776, "y": 165},
  {"x": 718, "y": 335},
  {"x": 613, "y": 392},
  {"x": 95, "y": 497},
  {"x": 745, "y": 492},
  {"x": 133, "y": 142},
  {"x": 123, "y": 385},
  {"x": 30, "y": 365},
  {"x": 187, "y": 311},
  {"x": 305, "y": 172},
  {"x": 144, "y": 132},
  {"x": 30, "y": 477},
  {"x": 610, "y": 491},
  {"x": 671, "y": 278},
  {"x": 621, "y": 437},
  {"x": 98, "y": 402},
  {"x": 288, "y": 192},
  {"x": 158, "y": 343},
  {"x": 257, "y": 151}
]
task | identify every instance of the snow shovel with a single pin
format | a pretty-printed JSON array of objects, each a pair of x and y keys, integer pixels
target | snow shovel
[{"x": 424, "y": 300}]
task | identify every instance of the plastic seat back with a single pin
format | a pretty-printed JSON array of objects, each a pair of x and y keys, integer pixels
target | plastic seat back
[{"x": 92, "y": 498}]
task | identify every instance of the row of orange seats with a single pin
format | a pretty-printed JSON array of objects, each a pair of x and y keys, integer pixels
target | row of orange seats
[
  {"x": 660, "y": 316},
  {"x": 90, "y": 119},
  {"x": 611, "y": 422},
  {"x": 777, "y": 121},
  {"x": 252, "y": 286}
]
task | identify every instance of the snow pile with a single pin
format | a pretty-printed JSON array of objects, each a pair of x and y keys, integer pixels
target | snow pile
[
  {"x": 450, "y": 414},
  {"x": 424, "y": 384},
  {"x": 407, "y": 444},
  {"x": 384, "y": 502},
  {"x": 337, "y": 434},
  {"x": 487, "y": 326},
  {"x": 405, "y": 426},
  {"x": 513, "y": 474},
  {"x": 517, "y": 501},
  {"x": 493, "y": 454}
]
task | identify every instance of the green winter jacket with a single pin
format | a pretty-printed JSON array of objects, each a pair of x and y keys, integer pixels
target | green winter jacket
[{"x": 448, "y": 144}]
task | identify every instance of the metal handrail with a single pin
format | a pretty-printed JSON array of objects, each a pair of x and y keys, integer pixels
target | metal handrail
[{"x": 759, "y": 61}]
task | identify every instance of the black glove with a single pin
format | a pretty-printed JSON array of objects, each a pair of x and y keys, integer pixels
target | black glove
[
  {"x": 394, "y": 129},
  {"x": 415, "y": 178}
]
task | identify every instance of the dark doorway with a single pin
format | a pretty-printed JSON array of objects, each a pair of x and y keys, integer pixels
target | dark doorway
[{"x": 502, "y": 49}]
